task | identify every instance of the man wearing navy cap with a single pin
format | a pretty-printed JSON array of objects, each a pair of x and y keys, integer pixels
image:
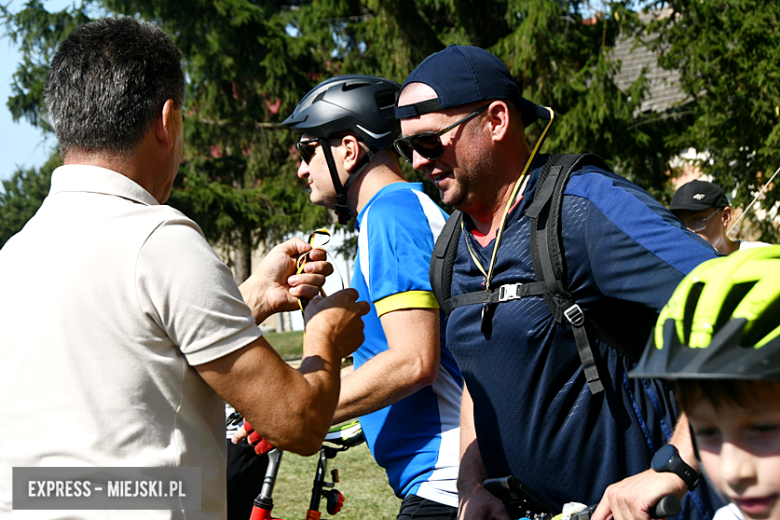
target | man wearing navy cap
[
  {"x": 528, "y": 410},
  {"x": 704, "y": 209}
]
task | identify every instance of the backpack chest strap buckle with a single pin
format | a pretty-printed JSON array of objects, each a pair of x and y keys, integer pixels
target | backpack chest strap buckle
[{"x": 510, "y": 291}]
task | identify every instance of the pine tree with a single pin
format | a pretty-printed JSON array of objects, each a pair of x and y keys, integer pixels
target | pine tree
[
  {"x": 728, "y": 53},
  {"x": 244, "y": 74}
]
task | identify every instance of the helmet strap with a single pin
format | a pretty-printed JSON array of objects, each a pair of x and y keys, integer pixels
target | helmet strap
[{"x": 342, "y": 211}]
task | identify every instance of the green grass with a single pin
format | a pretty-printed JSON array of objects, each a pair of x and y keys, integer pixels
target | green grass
[
  {"x": 289, "y": 345},
  {"x": 363, "y": 484}
]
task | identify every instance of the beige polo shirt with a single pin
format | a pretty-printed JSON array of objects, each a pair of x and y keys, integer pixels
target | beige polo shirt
[{"x": 107, "y": 301}]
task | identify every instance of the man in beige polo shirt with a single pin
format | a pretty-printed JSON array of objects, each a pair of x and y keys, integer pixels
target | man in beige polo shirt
[{"x": 122, "y": 331}]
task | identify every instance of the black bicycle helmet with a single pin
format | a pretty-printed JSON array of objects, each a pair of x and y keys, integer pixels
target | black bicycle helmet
[
  {"x": 352, "y": 104},
  {"x": 722, "y": 322}
]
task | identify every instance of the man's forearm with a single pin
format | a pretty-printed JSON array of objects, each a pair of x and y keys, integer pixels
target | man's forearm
[
  {"x": 292, "y": 409},
  {"x": 472, "y": 470},
  {"x": 410, "y": 363},
  {"x": 474, "y": 501},
  {"x": 380, "y": 382}
]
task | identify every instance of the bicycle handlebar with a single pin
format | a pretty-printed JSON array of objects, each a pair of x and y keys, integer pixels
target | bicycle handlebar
[
  {"x": 522, "y": 500},
  {"x": 346, "y": 435},
  {"x": 666, "y": 507}
]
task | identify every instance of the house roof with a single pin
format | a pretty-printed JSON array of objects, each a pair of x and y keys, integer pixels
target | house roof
[{"x": 664, "y": 92}]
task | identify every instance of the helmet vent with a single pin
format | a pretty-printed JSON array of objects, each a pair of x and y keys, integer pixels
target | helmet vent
[
  {"x": 353, "y": 85},
  {"x": 731, "y": 301},
  {"x": 766, "y": 322},
  {"x": 385, "y": 99},
  {"x": 690, "y": 308},
  {"x": 319, "y": 96}
]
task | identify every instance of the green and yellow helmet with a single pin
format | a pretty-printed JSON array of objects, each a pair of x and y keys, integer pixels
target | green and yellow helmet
[{"x": 722, "y": 322}]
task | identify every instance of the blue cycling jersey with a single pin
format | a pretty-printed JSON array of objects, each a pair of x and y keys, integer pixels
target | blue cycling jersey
[
  {"x": 416, "y": 439},
  {"x": 535, "y": 415}
]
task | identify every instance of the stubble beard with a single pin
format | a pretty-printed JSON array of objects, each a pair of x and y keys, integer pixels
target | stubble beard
[{"x": 474, "y": 178}]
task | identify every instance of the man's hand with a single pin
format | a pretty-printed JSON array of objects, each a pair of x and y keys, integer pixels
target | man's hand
[
  {"x": 239, "y": 435},
  {"x": 336, "y": 320},
  {"x": 480, "y": 504},
  {"x": 632, "y": 498},
  {"x": 293, "y": 409},
  {"x": 275, "y": 287},
  {"x": 334, "y": 329}
]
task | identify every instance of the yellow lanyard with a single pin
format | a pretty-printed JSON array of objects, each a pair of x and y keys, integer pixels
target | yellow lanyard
[
  {"x": 522, "y": 180},
  {"x": 500, "y": 230},
  {"x": 304, "y": 259}
]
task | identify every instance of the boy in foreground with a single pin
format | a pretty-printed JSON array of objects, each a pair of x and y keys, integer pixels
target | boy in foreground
[{"x": 718, "y": 338}]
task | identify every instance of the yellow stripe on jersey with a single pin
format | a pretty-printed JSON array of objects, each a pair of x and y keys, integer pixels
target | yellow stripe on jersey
[{"x": 406, "y": 300}]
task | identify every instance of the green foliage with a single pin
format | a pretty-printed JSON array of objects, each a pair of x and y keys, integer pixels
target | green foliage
[
  {"x": 244, "y": 74},
  {"x": 728, "y": 52},
  {"x": 248, "y": 62},
  {"x": 22, "y": 195},
  {"x": 37, "y": 33}
]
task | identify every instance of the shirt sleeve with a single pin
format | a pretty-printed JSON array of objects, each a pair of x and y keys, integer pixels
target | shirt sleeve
[
  {"x": 396, "y": 251},
  {"x": 637, "y": 250},
  {"x": 185, "y": 288}
]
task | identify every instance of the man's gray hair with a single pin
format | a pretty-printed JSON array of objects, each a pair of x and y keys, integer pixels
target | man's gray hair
[{"x": 108, "y": 81}]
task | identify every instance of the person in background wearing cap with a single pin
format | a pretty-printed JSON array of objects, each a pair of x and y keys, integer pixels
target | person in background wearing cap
[
  {"x": 527, "y": 408},
  {"x": 703, "y": 208},
  {"x": 406, "y": 387}
]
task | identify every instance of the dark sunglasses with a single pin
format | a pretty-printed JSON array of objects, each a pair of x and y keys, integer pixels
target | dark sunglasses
[
  {"x": 307, "y": 148},
  {"x": 428, "y": 144}
]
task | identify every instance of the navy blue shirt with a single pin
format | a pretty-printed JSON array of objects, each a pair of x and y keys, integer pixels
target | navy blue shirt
[{"x": 535, "y": 415}]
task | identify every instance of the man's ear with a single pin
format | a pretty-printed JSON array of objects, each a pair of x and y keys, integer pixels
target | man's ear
[
  {"x": 499, "y": 118},
  {"x": 352, "y": 152},
  {"x": 726, "y": 216},
  {"x": 164, "y": 125}
]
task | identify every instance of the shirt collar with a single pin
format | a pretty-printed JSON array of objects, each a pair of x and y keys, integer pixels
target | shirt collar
[
  {"x": 417, "y": 186},
  {"x": 94, "y": 179}
]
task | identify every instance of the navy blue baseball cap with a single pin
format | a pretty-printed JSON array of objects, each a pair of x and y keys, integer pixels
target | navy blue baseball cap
[{"x": 461, "y": 74}]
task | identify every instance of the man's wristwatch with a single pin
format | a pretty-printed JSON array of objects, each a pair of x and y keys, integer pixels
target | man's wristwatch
[{"x": 667, "y": 459}]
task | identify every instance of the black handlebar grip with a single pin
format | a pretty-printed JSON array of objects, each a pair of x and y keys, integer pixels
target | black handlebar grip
[{"x": 666, "y": 507}]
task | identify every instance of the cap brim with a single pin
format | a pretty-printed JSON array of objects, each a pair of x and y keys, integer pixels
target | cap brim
[{"x": 531, "y": 111}]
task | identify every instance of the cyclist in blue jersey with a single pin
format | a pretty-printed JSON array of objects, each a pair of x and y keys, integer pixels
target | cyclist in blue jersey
[
  {"x": 528, "y": 410},
  {"x": 405, "y": 386}
]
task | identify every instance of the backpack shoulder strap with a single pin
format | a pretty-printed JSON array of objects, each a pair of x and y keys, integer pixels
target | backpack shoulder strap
[
  {"x": 547, "y": 253},
  {"x": 545, "y": 214},
  {"x": 443, "y": 258}
]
